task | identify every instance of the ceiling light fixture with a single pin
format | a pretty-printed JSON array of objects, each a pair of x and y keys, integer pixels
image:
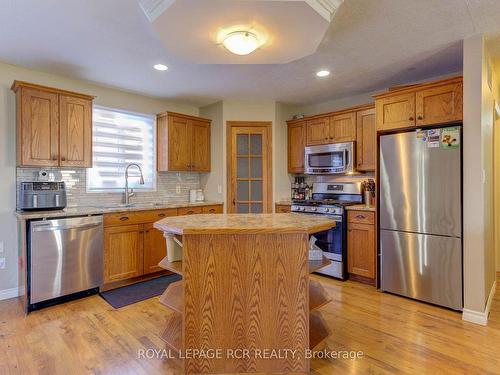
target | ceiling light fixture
[
  {"x": 241, "y": 42},
  {"x": 323, "y": 73},
  {"x": 160, "y": 67}
]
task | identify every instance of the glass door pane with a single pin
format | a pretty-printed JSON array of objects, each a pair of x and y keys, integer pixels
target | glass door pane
[{"x": 249, "y": 173}]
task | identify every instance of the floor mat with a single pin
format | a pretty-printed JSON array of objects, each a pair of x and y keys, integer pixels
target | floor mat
[{"x": 130, "y": 294}]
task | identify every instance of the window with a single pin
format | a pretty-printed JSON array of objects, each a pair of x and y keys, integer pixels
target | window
[{"x": 121, "y": 138}]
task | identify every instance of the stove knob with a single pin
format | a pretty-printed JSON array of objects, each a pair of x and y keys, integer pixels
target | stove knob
[
  {"x": 302, "y": 209},
  {"x": 328, "y": 210},
  {"x": 313, "y": 208}
]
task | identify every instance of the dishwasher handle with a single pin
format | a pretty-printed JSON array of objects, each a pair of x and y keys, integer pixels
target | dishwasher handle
[{"x": 50, "y": 227}]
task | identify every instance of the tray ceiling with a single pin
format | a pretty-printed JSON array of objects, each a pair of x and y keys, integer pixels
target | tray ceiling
[{"x": 194, "y": 29}]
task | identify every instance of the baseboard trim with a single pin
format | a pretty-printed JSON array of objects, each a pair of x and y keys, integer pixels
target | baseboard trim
[
  {"x": 9, "y": 293},
  {"x": 480, "y": 317}
]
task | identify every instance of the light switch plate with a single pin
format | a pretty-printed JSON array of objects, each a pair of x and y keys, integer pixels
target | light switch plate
[{"x": 177, "y": 189}]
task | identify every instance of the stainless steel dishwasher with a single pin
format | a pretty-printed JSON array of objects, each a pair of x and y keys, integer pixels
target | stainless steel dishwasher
[{"x": 66, "y": 257}]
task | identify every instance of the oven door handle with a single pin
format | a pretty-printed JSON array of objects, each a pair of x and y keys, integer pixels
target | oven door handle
[{"x": 345, "y": 159}]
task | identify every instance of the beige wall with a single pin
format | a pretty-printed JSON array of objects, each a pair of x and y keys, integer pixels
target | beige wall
[
  {"x": 496, "y": 169},
  {"x": 105, "y": 96},
  {"x": 241, "y": 110},
  {"x": 212, "y": 183},
  {"x": 479, "y": 271}
]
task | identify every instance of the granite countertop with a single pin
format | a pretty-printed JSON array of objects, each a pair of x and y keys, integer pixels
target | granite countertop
[
  {"x": 99, "y": 210},
  {"x": 245, "y": 223},
  {"x": 361, "y": 207}
]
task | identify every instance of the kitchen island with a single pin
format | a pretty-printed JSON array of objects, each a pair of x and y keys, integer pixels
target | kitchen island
[{"x": 245, "y": 303}]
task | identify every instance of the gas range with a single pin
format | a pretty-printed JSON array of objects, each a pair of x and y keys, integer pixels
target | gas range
[
  {"x": 314, "y": 208},
  {"x": 330, "y": 199}
]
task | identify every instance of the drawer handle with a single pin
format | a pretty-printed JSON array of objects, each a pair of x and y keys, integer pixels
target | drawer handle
[
  {"x": 190, "y": 212},
  {"x": 161, "y": 215},
  {"x": 360, "y": 216},
  {"x": 123, "y": 218},
  {"x": 211, "y": 210}
]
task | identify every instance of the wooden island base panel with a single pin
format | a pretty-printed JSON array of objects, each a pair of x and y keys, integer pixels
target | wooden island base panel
[{"x": 245, "y": 293}]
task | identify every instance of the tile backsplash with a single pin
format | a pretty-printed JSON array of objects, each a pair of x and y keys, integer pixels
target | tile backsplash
[{"x": 166, "y": 186}]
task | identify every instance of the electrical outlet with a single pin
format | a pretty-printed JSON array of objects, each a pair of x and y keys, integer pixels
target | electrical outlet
[
  {"x": 2, "y": 263},
  {"x": 177, "y": 189},
  {"x": 1, "y": 246},
  {"x": 219, "y": 189}
]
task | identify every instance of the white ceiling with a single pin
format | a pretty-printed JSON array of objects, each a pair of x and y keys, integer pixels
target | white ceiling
[
  {"x": 370, "y": 45},
  {"x": 193, "y": 30}
]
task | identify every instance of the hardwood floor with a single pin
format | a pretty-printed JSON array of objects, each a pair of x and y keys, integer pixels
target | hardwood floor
[{"x": 396, "y": 335}]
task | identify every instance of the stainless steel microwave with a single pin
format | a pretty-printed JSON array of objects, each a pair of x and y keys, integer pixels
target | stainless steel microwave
[{"x": 335, "y": 158}]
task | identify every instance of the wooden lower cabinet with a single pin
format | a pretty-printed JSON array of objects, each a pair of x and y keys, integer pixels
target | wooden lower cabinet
[
  {"x": 123, "y": 254},
  {"x": 155, "y": 248},
  {"x": 133, "y": 247},
  {"x": 361, "y": 249},
  {"x": 283, "y": 208}
]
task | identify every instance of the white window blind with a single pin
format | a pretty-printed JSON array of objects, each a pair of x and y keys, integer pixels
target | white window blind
[{"x": 121, "y": 138}]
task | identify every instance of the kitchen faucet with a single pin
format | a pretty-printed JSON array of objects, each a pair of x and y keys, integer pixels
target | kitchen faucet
[{"x": 141, "y": 181}]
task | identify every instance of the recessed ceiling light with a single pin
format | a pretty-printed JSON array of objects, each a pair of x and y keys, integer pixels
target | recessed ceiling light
[
  {"x": 241, "y": 42},
  {"x": 160, "y": 67},
  {"x": 323, "y": 73}
]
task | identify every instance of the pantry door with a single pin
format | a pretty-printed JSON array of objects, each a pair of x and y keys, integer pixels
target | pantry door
[{"x": 249, "y": 167}]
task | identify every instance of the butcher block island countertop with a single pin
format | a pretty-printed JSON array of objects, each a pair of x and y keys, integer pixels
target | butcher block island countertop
[{"x": 245, "y": 294}]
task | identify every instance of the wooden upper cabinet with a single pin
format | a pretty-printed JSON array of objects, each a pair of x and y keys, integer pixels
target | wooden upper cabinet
[
  {"x": 54, "y": 127},
  {"x": 395, "y": 111},
  {"x": 296, "y": 144},
  {"x": 366, "y": 140},
  {"x": 317, "y": 131},
  {"x": 37, "y": 128},
  {"x": 179, "y": 144},
  {"x": 439, "y": 104},
  {"x": 183, "y": 143},
  {"x": 343, "y": 128},
  {"x": 200, "y": 148},
  {"x": 430, "y": 103},
  {"x": 75, "y": 131}
]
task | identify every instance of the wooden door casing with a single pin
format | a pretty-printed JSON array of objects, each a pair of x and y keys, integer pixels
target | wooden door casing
[
  {"x": 441, "y": 104},
  {"x": 155, "y": 248},
  {"x": 296, "y": 144},
  {"x": 200, "y": 147},
  {"x": 263, "y": 128},
  {"x": 123, "y": 252},
  {"x": 75, "y": 132},
  {"x": 366, "y": 143},
  {"x": 317, "y": 131},
  {"x": 361, "y": 249},
  {"x": 343, "y": 128},
  {"x": 395, "y": 112},
  {"x": 38, "y": 128},
  {"x": 179, "y": 144}
]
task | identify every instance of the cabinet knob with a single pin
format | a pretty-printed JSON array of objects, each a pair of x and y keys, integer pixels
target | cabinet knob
[
  {"x": 63, "y": 158},
  {"x": 420, "y": 117},
  {"x": 54, "y": 157},
  {"x": 360, "y": 216},
  {"x": 411, "y": 118},
  {"x": 123, "y": 218},
  {"x": 161, "y": 215}
]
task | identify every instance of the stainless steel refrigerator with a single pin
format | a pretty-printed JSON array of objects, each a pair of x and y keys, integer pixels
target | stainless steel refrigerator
[{"x": 421, "y": 216}]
